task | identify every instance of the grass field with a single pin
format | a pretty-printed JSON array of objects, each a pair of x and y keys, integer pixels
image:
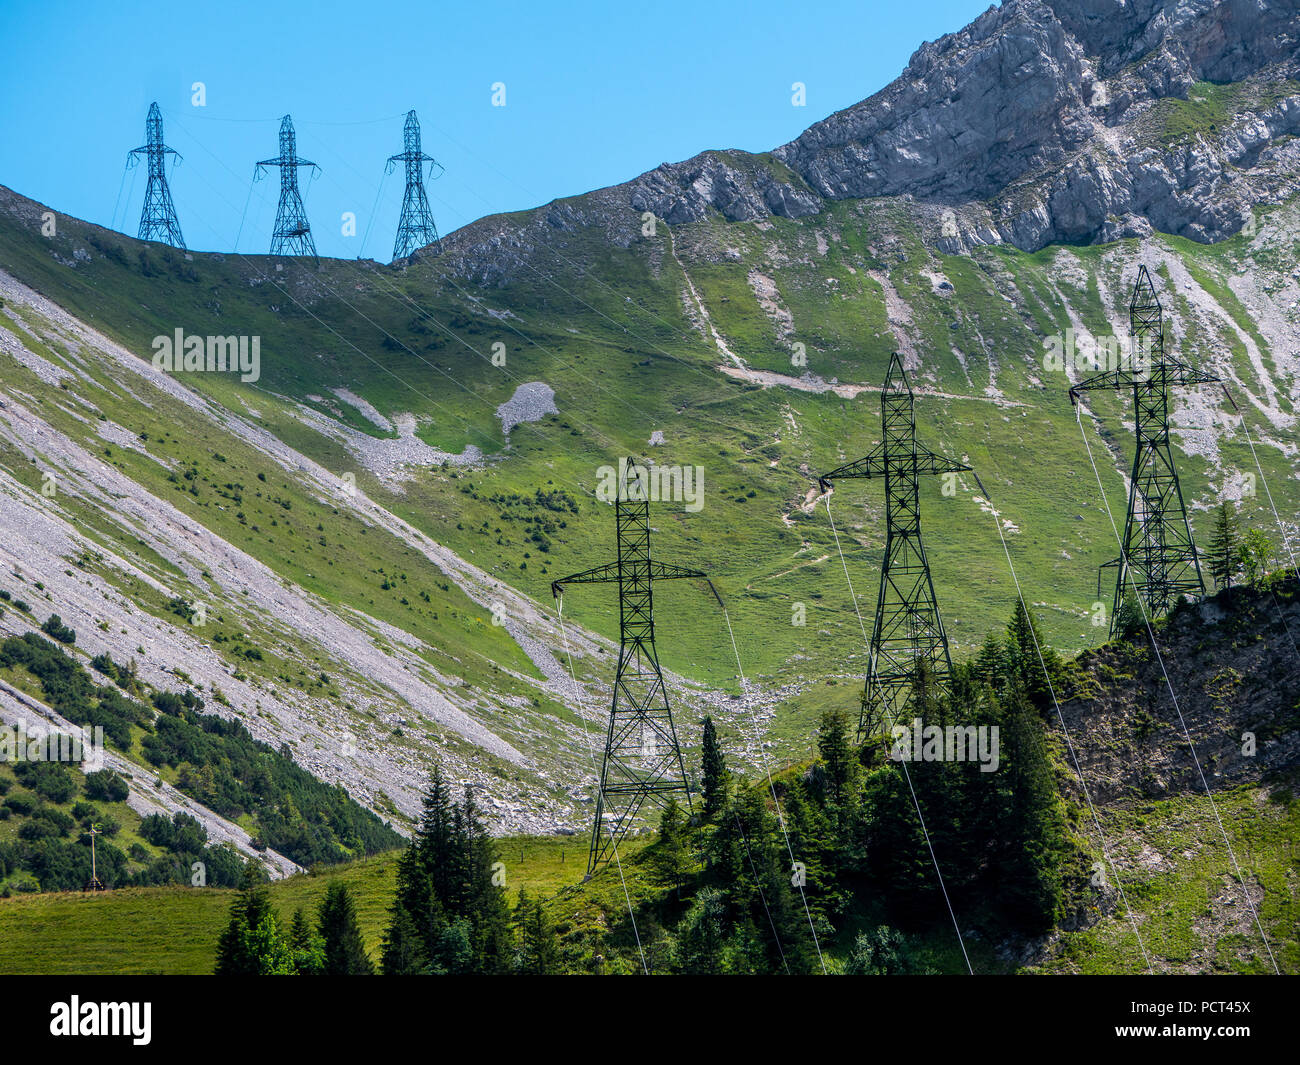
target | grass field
[{"x": 174, "y": 930}]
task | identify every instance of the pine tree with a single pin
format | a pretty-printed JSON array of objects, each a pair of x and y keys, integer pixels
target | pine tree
[
  {"x": 701, "y": 934},
  {"x": 340, "y": 933},
  {"x": 539, "y": 950},
  {"x": 672, "y": 852},
  {"x": 1130, "y": 619},
  {"x": 839, "y": 763},
  {"x": 305, "y": 946},
  {"x": 751, "y": 867},
  {"x": 992, "y": 664},
  {"x": 1033, "y": 826},
  {"x": 250, "y": 910},
  {"x": 713, "y": 772},
  {"x": 1031, "y": 661},
  {"x": 486, "y": 904},
  {"x": 404, "y": 952},
  {"x": 1223, "y": 556},
  {"x": 449, "y": 913}
]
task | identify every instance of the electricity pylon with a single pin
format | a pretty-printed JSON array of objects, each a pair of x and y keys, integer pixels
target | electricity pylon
[
  {"x": 158, "y": 217},
  {"x": 642, "y": 758},
  {"x": 908, "y": 628},
  {"x": 292, "y": 235},
  {"x": 1157, "y": 554},
  {"x": 415, "y": 229}
]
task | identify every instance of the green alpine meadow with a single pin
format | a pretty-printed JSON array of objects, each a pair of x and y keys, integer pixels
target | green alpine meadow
[{"x": 871, "y": 555}]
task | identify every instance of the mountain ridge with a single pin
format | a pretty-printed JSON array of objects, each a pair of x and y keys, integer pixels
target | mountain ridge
[{"x": 1037, "y": 124}]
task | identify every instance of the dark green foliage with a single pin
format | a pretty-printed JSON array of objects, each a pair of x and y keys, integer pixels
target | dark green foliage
[
  {"x": 838, "y": 760},
  {"x": 1000, "y": 837},
  {"x": 713, "y": 771},
  {"x": 218, "y": 761},
  {"x": 1130, "y": 619},
  {"x": 343, "y": 951},
  {"x": 305, "y": 945},
  {"x": 1032, "y": 664},
  {"x": 252, "y": 944},
  {"x": 539, "y": 949},
  {"x": 69, "y": 689},
  {"x": 882, "y": 952},
  {"x": 50, "y": 780},
  {"x": 182, "y": 834},
  {"x": 1223, "y": 556},
  {"x": 106, "y": 786},
  {"x": 55, "y": 628},
  {"x": 672, "y": 852},
  {"x": 449, "y": 915},
  {"x": 226, "y": 769}
]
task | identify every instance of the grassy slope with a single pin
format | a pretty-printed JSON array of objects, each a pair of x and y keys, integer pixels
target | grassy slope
[
  {"x": 613, "y": 340},
  {"x": 174, "y": 930}
]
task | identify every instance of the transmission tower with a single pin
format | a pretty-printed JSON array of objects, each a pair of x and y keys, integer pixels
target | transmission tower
[
  {"x": 292, "y": 234},
  {"x": 908, "y": 628},
  {"x": 158, "y": 217},
  {"x": 416, "y": 228},
  {"x": 642, "y": 759},
  {"x": 1157, "y": 554}
]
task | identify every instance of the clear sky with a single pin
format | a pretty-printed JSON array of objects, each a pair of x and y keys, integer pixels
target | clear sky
[{"x": 594, "y": 94}]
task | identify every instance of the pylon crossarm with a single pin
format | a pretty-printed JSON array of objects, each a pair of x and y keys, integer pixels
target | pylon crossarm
[
  {"x": 1100, "y": 382},
  {"x": 131, "y": 159},
  {"x": 872, "y": 465},
  {"x": 598, "y": 575},
  {"x": 609, "y": 573},
  {"x": 1185, "y": 375},
  {"x": 666, "y": 571},
  {"x": 928, "y": 462}
]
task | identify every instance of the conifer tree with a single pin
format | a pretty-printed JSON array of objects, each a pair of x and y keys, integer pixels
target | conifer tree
[
  {"x": 404, "y": 952},
  {"x": 305, "y": 946},
  {"x": 249, "y": 931},
  {"x": 449, "y": 914},
  {"x": 1034, "y": 827},
  {"x": 1032, "y": 662},
  {"x": 1223, "y": 556},
  {"x": 714, "y": 772},
  {"x": 672, "y": 853},
  {"x": 340, "y": 933},
  {"x": 839, "y": 763},
  {"x": 539, "y": 950}
]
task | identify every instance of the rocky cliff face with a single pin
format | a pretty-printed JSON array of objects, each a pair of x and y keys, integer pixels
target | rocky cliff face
[{"x": 1043, "y": 121}]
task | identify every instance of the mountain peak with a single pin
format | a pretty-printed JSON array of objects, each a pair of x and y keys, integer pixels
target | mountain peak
[{"x": 1041, "y": 122}]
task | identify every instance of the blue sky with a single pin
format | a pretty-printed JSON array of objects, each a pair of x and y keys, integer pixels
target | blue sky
[{"x": 595, "y": 94}]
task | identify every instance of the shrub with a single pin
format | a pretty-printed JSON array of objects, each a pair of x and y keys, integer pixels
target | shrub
[
  {"x": 55, "y": 628},
  {"x": 106, "y": 786}
]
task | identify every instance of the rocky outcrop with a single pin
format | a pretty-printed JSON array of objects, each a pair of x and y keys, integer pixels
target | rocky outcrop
[
  {"x": 1043, "y": 121},
  {"x": 1227, "y": 677}
]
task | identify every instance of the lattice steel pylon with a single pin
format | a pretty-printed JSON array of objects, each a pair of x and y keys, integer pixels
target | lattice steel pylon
[
  {"x": 1158, "y": 554},
  {"x": 415, "y": 229},
  {"x": 908, "y": 627},
  {"x": 642, "y": 760},
  {"x": 292, "y": 235},
  {"x": 158, "y": 216}
]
